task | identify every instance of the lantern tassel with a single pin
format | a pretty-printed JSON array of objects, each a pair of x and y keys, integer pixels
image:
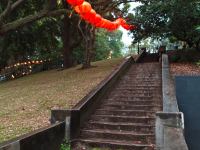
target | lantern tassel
[
  {"x": 71, "y": 14},
  {"x": 87, "y": 24},
  {"x": 91, "y": 28}
]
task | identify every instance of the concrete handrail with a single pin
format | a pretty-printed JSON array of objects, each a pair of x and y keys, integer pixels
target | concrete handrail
[{"x": 169, "y": 122}]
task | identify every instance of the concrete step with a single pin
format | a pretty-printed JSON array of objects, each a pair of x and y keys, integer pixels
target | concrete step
[
  {"x": 132, "y": 107},
  {"x": 130, "y": 94},
  {"x": 127, "y": 83},
  {"x": 139, "y": 90},
  {"x": 104, "y": 144},
  {"x": 125, "y": 126},
  {"x": 133, "y": 81},
  {"x": 120, "y": 112},
  {"x": 128, "y": 86},
  {"x": 140, "y": 85},
  {"x": 135, "y": 91},
  {"x": 131, "y": 119},
  {"x": 118, "y": 135},
  {"x": 133, "y": 102},
  {"x": 134, "y": 98}
]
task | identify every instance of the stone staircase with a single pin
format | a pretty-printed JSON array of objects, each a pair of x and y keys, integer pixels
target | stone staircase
[{"x": 126, "y": 117}]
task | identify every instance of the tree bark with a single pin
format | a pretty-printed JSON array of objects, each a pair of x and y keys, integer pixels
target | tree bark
[
  {"x": 68, "y": 32},
  {"x": 89, "y": 53}
]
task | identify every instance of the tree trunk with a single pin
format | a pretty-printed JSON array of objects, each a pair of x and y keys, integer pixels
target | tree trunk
[
  {"x": 66, "y": 44},
  {"x": 89, "y": 54},
  {"x": 85, "y": 64}
]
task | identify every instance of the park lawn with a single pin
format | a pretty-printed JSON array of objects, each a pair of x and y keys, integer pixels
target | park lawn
[{"x": 26, "y": 103}]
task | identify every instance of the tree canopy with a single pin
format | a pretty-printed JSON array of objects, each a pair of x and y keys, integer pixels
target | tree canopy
[{"x": 175, "y": 18}]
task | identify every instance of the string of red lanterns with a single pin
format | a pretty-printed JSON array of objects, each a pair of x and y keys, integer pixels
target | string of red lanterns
[{"x": 84, "y": 9}]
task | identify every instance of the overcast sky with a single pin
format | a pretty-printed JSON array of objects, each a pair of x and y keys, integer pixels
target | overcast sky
[{"x": 126, "y": 38}]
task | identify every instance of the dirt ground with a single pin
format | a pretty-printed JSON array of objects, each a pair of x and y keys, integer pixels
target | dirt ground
[
  {"x": 182, "y": 69},
  {"x": 178, "y": 69}
]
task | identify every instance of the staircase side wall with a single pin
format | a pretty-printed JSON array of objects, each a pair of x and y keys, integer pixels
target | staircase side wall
[
  {"x": 169, "y": 122},
  {"x": 47, "y": 138}
]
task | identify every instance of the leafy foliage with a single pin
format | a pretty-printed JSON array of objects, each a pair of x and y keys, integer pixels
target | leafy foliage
[
  {"x": 65, "y": 145},
  {"x": 161, "y": 19}
]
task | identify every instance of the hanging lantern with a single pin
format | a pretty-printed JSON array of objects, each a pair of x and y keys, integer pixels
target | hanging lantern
[
  {"x": 126, "y": 26},
  {"x": 123, "y": 21},
  {"x": 115, "y": 26},
  {"x": 79, "y": 2},
  {"x": 120, "y": 21},
  {"x": 90, "y": 15},
  {"x": 104, "y": 24},
  {"x": 100, "y": 24},
  {"x": 75, "y": 2},
  {"x": 85, "y": 8},
  {"x": 96, "y": 20},
  {"x": 76, "y": 8},
  {"x": 110, "y": 25}
]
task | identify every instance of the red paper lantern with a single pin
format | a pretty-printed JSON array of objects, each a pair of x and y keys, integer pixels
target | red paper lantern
[
  {"x": 79, "y": 2},
  {"x": 75, "y": 2},
  {"x": 100, "y": 24},
  {"x": 90, "y": 15},
  {"x": 76, "y": 8},
  {"x": 96, "y": 20},
  {"x": 104, "y": 24},
  {"x": 120, "y": 21},
  {"x": 126, "y": 26},
  {"x": 85, "y": 8}
]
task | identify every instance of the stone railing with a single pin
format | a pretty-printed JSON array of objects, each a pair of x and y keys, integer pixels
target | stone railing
[{"x": 169, "y": 122}]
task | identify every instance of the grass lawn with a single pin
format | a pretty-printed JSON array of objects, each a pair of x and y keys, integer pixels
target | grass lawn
[{"x": 26, "y": 103}]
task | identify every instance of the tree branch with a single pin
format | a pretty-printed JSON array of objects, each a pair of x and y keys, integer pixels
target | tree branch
[
  {"x": 17, "y": 3},
  {"x": 5, "y": 13},
  {"x": 32, "y": 18},
  {"x": 81, "y": 31}
]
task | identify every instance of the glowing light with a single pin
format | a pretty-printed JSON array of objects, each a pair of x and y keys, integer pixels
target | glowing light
[
  {"x": 49, "y": 59},
  {"x": 18, "y": 64},
  {"x": 13, "y": 76},
  {"x": 33, "y": 61},
  {"x": 41, "y": 61}
]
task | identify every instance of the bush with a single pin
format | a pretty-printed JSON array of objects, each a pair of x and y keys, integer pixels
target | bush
[{"x": 182, "y": 56}]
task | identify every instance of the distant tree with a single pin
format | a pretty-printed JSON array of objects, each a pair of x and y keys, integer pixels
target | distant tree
[{"x": 163, "y": 19}]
